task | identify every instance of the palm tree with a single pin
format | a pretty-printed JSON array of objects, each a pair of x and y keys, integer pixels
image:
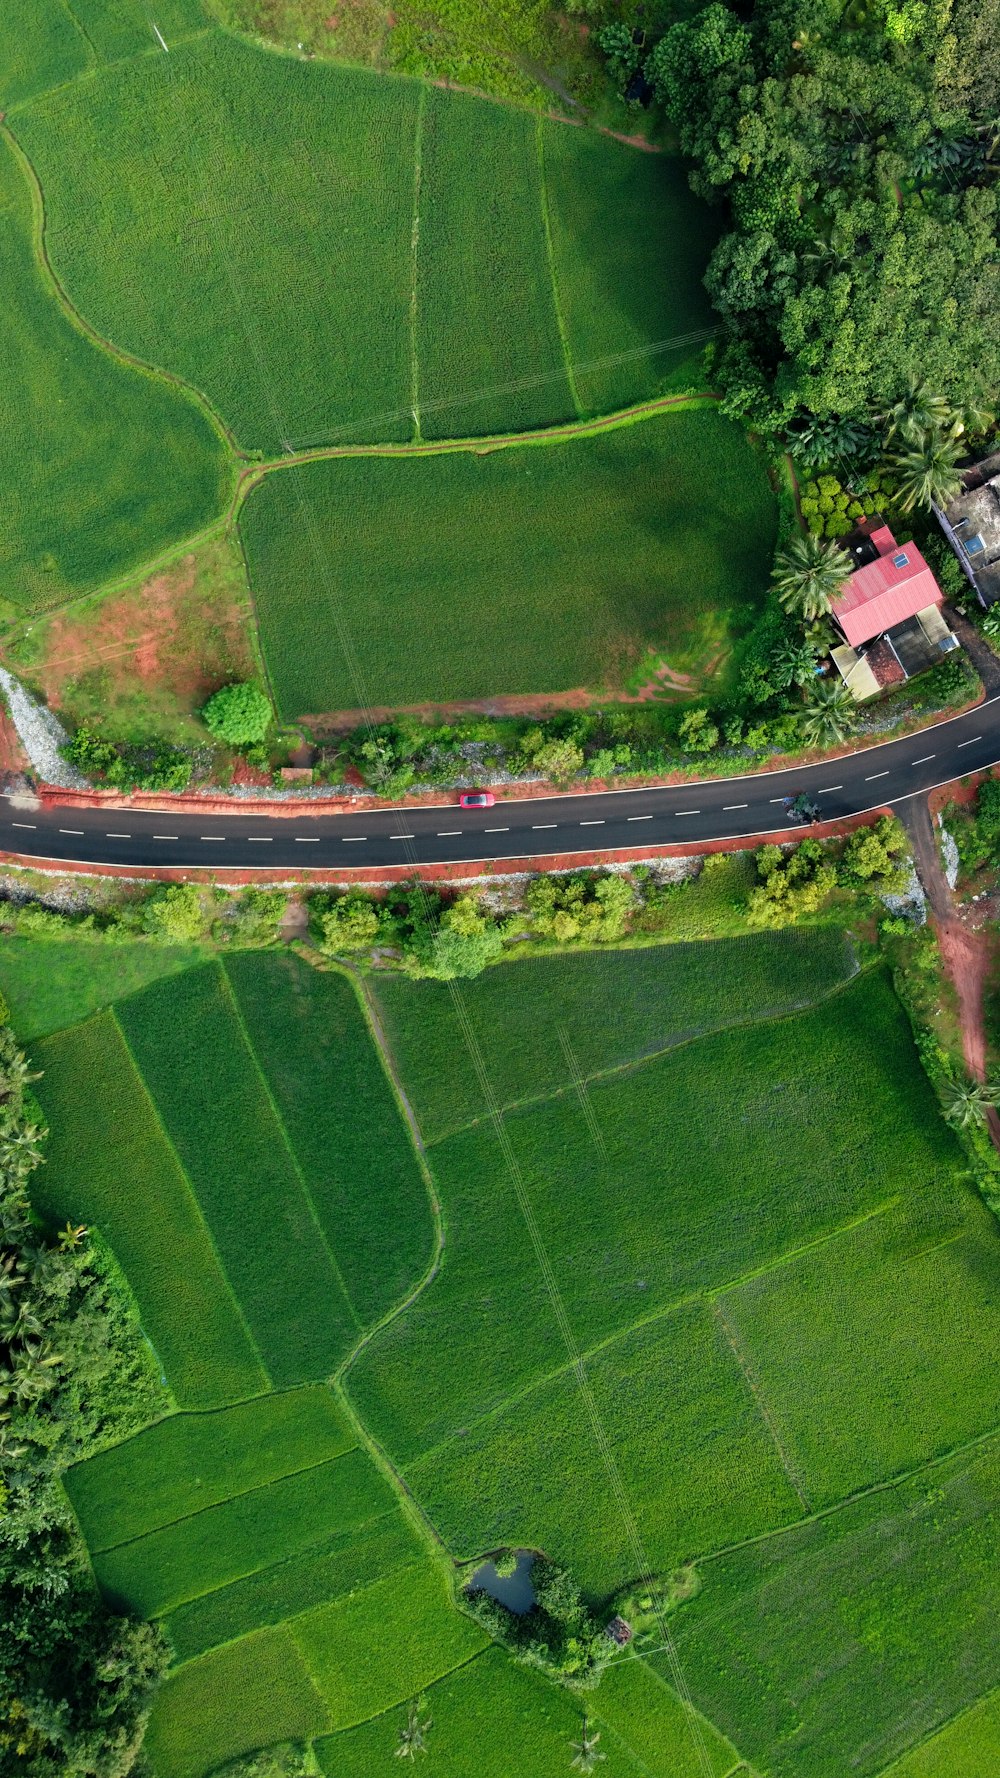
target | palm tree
[
  {"x": 917, "y": 414},
  {"x": 412, "y": 1735},
  {"x": 585, "y": 1754},
  {"x": 969, "y": 1102},
  {"x": 829, "y": 715},
  {"x": 797, "y": 657},
  {"x": 71, "y": 1236},
  {"x": 927, "y": 474},
  {"x": 808, "y": 574}
]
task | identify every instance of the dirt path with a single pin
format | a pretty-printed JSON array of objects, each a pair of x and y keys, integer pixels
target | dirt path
[{"x": 965, "y": 950}]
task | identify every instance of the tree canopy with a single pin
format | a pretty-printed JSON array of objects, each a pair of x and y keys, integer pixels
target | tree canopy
[{"x": 855, "y": 148}]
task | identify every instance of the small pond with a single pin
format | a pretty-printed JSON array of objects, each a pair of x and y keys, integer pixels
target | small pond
[{"x": 513, "y": 1590}]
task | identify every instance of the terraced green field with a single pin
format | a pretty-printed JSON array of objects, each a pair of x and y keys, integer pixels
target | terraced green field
[
  {"x": 779, "y": 1284},
  {"x": 590, "y": 579}
]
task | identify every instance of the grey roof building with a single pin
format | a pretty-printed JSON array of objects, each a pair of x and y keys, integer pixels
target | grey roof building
[{"x": 971, "y": 524}]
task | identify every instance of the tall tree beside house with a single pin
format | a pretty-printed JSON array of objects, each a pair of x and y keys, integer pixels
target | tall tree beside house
[
  {"x": 808, "y": 574},
  {"x": 927, "y": 472}
]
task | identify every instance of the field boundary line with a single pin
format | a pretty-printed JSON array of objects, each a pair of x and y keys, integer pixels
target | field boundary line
[
  {"x": 237, "y": 1011},
  {"x": 251, "y": 474},
  {"x": 347, "y": 1728},
  {"x": 792, "y": 1471},
  {"x": 57, "y": 290},
  {"x": 123, "y": 1543},
  {"x": 633, "y": 1063},
  {"x": 692, "y": 1299},
  {"x": 418, "y": 144},
  {"x": 543, "y": 198},
  {"x": 100, "y": 64},
  {"x": 885, "y": 1486},
  {"x": 942, "y": 1727},
  {"x": 199, "y": 1212}
]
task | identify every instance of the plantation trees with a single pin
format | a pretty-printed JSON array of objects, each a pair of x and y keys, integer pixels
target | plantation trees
[{"x": 808, "y": 574}]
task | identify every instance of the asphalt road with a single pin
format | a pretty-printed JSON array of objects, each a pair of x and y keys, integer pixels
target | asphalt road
[{"x": 444, "y": 833}]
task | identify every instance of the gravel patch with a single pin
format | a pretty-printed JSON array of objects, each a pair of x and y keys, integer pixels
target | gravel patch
[
  {"x": 912, "y": 904},
  {"x": 42, "y": 736},
  {"x": 949, "y": 855}
]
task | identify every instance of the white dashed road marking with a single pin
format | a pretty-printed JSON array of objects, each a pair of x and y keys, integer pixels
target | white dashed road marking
[
  {"x": 75, "y": 830},
  {"x": 639, "y": 817},
  {"x": 828, "y": 789},
  {"x": 307, "y": 839},
  {"x": 214, "y": 837},
  {"x": 449, "y": 833},
  {"x": 118, "y": 836},
  {"x": 593, "y": 823},
  {"x": 536, "y": 826},
  {"x": 402, "y": 836},
  {"x": 972, "y": 739},
  {"x": 353, "y": 839},
  {"x": 687, "y": 811},
  {"x": 164, "y": 836},
  {"x": 30, "y": 824},
  {"x": 726, "y": 807},
  {"x": 496, "y": 829},
  {"x": 873, "y": 775},
  {"x": 923, "y": 760},
  {"x": 259, "y": 839}
]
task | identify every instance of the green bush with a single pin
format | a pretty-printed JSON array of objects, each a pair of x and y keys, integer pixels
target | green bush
[
  {"x": 697, "y": 732},
  {"x": 238, "y": 714},
  {"x": 175, "y": 914},
  {"x": 877, "y": 858},
  {"x": 559, "y": 1634}
]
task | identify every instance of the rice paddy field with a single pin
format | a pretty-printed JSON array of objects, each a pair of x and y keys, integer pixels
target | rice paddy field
[
  {"x": 777, "y": 1298},
  {"x": 395, "y": 582}
]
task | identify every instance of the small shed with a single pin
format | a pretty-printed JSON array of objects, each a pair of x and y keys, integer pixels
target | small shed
[{"x": 620, "y": 1631}]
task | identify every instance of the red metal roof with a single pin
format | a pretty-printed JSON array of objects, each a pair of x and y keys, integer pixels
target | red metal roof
[{"x": 885, "y": 592}]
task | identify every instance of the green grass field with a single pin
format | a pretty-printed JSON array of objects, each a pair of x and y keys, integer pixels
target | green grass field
[
  {"x": 754, "y": 1148},
  {"x": 969, "y": 1745},
  {"x": 612, "y": 1007},
  {"x": 102, "y": 465},
  {"x": 338, "y": 1110},
  {"x": 226, "y": 1130},
  {"x": 481, "y": 239},
  {"x": 555, "y": 577},
  {"x": 619, "y": 307},
  {"x": 49, "y": 984},
  {"x": 833, "y": 1647},
  {"x": 110, "y": 1164},
  {"x": 769, "y": 1260},
  {"x": 258, "y": 278},
  {"x": 184, "y": 1464},
  {"x": 40, "y": 48}
]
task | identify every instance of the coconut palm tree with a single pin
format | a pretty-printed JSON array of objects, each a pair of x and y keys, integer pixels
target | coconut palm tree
[
  {"x": 917, "y": 414},
  {"x": 969, "y": 1102},
  {"x": 808, "y": 574},
  {"x": 927, "y": 473},
  {"x": 412, "y": 1736},
  {"x": 797, "y": 657},
  {"x": 829, "y": 715},
  {"x": 585, "y": 1752}
]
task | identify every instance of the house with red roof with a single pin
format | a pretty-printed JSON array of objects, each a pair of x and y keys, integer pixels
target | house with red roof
[{"x": 888, "y": 612}]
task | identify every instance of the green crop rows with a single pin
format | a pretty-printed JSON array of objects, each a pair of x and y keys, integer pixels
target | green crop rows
[
  {"x": 529, "y": 543},
  {"x": 779, "y": 1285},
  {"x": 49, "y": 984},
  {"x": 41, "y": 49}
]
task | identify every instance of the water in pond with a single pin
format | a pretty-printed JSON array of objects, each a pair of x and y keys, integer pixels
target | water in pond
[{"x": 513, "y": 1590}]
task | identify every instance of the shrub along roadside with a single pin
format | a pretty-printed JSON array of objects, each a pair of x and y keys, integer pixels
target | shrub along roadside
[{"x": 76, "y": 1683}]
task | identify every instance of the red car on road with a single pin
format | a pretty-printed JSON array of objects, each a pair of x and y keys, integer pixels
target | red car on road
[{"x": 476, "y": 799}]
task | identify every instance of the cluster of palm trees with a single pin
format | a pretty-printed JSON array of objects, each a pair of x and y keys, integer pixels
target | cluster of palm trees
[
  {"x": 924, "y": 442},
  {"x": 808, "y": 575}
]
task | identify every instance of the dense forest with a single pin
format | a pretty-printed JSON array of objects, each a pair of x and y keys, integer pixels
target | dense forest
[
  {"x": 857, "y": 151},
  {"x": 76, "y": 1682}
]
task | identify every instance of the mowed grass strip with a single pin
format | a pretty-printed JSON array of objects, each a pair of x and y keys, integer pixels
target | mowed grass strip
[
  {"x": 491, "y": 1716},
  {"x": 209, "y": 1549},
  {"x": 713, "y": 1161},
  {"x": 969, "y": 1746},
  {"x": 312, "y": 1040},
  {"x": 40, "y": 47},
  {"x": 543, "y": 1022},
  {"x": 251, "y": 1694},
  {"x": 313, "y": 1577},
  {"x": 526, "y": 570},
  {"x": 622, "y": 296},
  {"x": 265, "y": 205},
  {"x": 192, "y": 1461},
  {"x": 697, "y": 1461},
  {"x": 49, "y": 984},
  {"x": 863, "y": 1390},
  {"x": 385, "y": 1643},
  {"x": 836, "y": 1645},
  {"x": 487, "y": 326},
  {"x": 110, "y": 1164},
  {"x": 102, "y": 465},
  {"x": 187, "y": 1039}
]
